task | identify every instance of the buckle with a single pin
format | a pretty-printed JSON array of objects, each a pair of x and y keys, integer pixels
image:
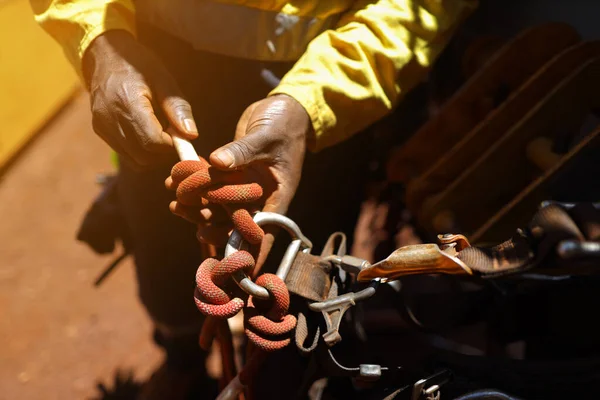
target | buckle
[{"x": 429, "y": 388}]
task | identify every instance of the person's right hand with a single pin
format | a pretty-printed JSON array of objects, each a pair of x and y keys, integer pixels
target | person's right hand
[{"x": 130, "y": 91}]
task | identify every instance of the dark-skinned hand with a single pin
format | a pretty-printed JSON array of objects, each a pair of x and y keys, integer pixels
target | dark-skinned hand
[
  {"x": 131, "y": 92},
  {"x": 268, "y": 148}
]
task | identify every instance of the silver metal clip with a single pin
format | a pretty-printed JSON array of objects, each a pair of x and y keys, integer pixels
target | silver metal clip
[
  {"x": 299, "y": 243},
  {"x": 429, "y": 388},
  {"x": 333, "y": 310}
]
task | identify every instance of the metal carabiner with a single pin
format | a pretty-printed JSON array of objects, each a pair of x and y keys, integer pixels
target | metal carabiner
[{"x": 299, "y": 243}]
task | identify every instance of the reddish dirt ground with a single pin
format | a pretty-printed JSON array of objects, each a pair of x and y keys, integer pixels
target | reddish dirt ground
[{"x": 60, "y": 335}]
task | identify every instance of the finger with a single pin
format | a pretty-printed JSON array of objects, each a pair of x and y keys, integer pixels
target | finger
[
  {"x": 255, "y": 146},
  {"x": 215, "y": 214},
  {"x": 189, "y": 213},
  {"x": 101, "y": 127},
  {"x": 137, "y": 154},
  {"x": 216, "y": 235},
  {"x": 170, "y": 184},
  {"x": 200, "y": 215},
  {"x": 279, "y": 201},
  {"x": 177, "y": 110},
  {"x": 107, "y": 125},
  {"x": 206, "y": 213},
  {"x": 142, "y": 122}
]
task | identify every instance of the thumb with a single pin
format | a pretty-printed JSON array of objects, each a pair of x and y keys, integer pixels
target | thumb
[{"x": 243, "y": 152}]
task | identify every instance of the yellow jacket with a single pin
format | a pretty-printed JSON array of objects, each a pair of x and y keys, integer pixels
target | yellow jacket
[{"x": 354, "y": 58}]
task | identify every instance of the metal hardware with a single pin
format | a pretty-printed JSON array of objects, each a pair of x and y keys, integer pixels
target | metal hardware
[
  {"x": 566, "y": 206},
  {"x": 350, "y": 264},
  {"x": 333, "y": 310},
  {"x": 429, "y": 388},
  {"x": 453, "y": 240},
  {"x": 299, "y": 243},
  {"x": 366, "y": 372},
  {"x": 574, "y": 249},
  {"x": 421, "y": 259}
]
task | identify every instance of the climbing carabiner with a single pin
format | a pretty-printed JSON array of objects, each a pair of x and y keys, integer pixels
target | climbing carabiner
[{"x": 299, "y": 243}]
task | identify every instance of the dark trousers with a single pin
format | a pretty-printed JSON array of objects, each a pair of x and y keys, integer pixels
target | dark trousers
[{"x": 219, "y": 89}]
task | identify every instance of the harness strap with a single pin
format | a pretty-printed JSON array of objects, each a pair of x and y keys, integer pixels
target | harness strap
[
  {"x": 551, "y": 225},
  {"x": 312, "y": 279},
  {"x": 303, "y": 331},
  {"x": 309, "y": 277}
]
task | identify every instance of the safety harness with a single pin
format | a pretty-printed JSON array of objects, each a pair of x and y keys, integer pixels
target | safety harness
[{"x": 558, "y": 235}]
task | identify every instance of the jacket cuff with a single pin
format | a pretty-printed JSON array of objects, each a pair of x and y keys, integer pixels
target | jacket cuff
[{"x": 114, "y": 22}]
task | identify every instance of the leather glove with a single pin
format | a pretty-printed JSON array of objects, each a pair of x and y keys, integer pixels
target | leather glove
[{"x": 131, "y": 91}]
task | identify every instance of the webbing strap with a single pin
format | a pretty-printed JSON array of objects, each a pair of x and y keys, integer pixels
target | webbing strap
[
  {"x": 308, "y": 278},
  {"x": 312, "y": 279},
  {"x": 306, "y": 327},
  {"x": 530, "y": 247}
]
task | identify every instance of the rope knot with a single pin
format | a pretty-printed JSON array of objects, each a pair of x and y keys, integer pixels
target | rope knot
[
  {"x": 267, "y": 323},
  {"x": 216, "y": 294}
]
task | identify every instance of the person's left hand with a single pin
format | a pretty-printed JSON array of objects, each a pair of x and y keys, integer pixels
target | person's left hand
[
  {"x": 268, "y": 147},
  {"x": 270, "y": 138}
]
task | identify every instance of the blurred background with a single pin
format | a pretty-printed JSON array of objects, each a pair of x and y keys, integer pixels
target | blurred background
[{"x": 60, "y": 334}]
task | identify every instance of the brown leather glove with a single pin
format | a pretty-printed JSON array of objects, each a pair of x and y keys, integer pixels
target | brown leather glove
[{"x": 130, "y": 91}]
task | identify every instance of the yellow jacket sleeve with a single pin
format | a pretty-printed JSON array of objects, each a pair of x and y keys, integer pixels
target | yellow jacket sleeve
[
  {"x": 75, "y": 24},
  {"x": 351, "y": 76}
]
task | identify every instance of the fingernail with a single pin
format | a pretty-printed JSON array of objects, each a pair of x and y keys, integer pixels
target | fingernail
[
  {"x": 190, "y": 125},
  {"x": 226, "y": 158}
]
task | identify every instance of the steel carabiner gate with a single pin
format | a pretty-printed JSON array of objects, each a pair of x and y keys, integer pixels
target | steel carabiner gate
[{"x": 299, "y": 243}]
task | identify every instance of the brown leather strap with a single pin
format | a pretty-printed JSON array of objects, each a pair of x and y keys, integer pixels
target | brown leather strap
[
  {"x": 528, "y": 248},
  {"x": 313, "y": 280},
  {"x": 308, "y": 278}
]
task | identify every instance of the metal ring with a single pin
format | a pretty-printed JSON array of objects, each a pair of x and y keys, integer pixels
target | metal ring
[{"x": 299, "y": 243}]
